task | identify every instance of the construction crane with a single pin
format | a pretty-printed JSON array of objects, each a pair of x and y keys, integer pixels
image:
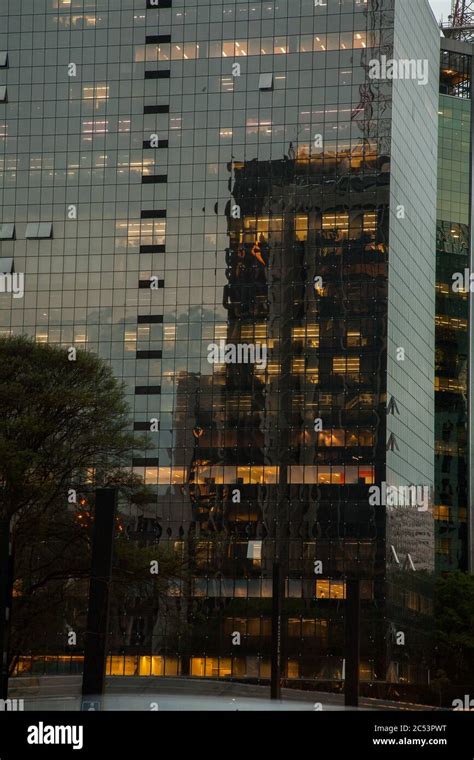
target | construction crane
[{"x": 460, "y": 24}]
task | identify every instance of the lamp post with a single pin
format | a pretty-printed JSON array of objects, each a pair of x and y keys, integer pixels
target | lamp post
[
  {"x": 95, "y": 649},
  {"x": 352, "y": 643},
  {"x": 6, "y": 593}
]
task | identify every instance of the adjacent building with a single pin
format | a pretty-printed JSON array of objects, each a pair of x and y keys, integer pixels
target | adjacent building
[{"x": 453, "y": 309}]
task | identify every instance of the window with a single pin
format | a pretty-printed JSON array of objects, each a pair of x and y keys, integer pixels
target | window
[
  {"x": 330, "y": 590},
  {"x": 3, "y": 59},
  {"x": 7, "y": 231},
  {"x": 3, "y": 94},
  {"x": 254, "y": 550},
  {"x": 39, "y": 230},
  {"x": 307, "y": 337},
  {"x": 6, "y": 265},
  {"x": 345, "y": 365},
  {"x": 336, "y": 225},
  {"x": 301, "y": 227},
  {"x": 266, "y": 82}
]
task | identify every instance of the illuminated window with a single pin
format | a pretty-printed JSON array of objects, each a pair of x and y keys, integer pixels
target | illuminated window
[
  {"x": 306, "y": 43},
  {"x": 442, "y": 513},
  {"x": 273, "y": 368},
  {"x": 228, "y": 49},
  {"x": 143, "y": 232},
  {"x": 241, "y": 48},
  {"x": 301, "y": 227},
  {"x": 307, "y": 337},
  {"x": 293, "y": 669},
  {"x": 211, "y": 667},
  {"x": 298, "y": 365},
  {"x": 370, "y": 221},
  {"x": 336, "y": 475},
  {"x": 252, "y": 332},
  {"x": 227, "y": 84},
  {"x": 122, "y": 666},
  {"x": 450, "y": 385},
  {"x": 367, "y": 475},
  {"x": 254, "y": 551},
  {"x": 258, "y": 228},
  {"x": 217, "y": 474},
  {"x": 331, "y": 438},
  {"x": 152, "y": 666},
  {"x": 330, "y": 590},
  {"x": 96, "y": 93},
  {"x": 95, "y": 127},
  {"x": 161, "y": 52},
  {"x": 444, "y": 547},
  {"x": 153, "y": 232},
  {"x": 336, "y": 224},
  {"x": 345, "y": 365},
  {"x": 452, "y": 323}
]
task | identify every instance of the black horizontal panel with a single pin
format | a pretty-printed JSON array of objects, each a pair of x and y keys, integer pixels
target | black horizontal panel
[
  {"x": 156, "y": 109},
  {"x": 159, "y": 3},
  {"x": 145, "y": 462},
  {"x": 161, "y": 144},
  {"x": 161, "y": 74},
  {"x": 155, "y": 179},
  {"x": 143, "y": 284},
  {"x": 145, "y": 426},
  {"x": 152, "y": 249},
  {"x": 151, "y": 38},
  {"x": 149, "y": 354},
  {"x": 153, "y": 213},
  {"x": 147, "y": 390},
  {"x": 150, "y": 319}
]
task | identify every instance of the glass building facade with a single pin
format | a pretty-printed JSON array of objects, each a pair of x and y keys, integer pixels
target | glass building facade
[
  {"x": 219, "y": 200},
  {"x": 453, "y": 258}
]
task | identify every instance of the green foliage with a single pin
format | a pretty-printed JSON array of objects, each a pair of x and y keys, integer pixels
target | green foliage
[
  {"x": 58, "y": 420},
  {"x": 63, "y": 425},
  {"x": 132, "y": 576},
  {"x": 454, "y": 615}
]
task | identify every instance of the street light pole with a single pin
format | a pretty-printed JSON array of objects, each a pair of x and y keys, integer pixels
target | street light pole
[
  {"x": 95, "y": 649},
  {"x": 6, "y": 594},
  {"x": 352, "y": 641},
  {"x": 275, "y": 685}
]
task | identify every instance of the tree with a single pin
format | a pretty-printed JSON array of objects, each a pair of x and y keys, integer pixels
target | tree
[
  {"x": 64, "y": 429},
  {"x": 52, "y": 570},
  {"x": 454, "y": 615}
]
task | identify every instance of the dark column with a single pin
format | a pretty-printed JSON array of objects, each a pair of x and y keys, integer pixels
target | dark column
[
  {"x": 275, "y": 691},
  {"x": 95, "y": 649},
  {"x": 352, "y": 641},
  {"x": 6, "y": 588},
  {"x": 470, "y": 426}
]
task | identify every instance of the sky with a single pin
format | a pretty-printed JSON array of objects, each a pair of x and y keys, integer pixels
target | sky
[{"x": 441, "y": 8}]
